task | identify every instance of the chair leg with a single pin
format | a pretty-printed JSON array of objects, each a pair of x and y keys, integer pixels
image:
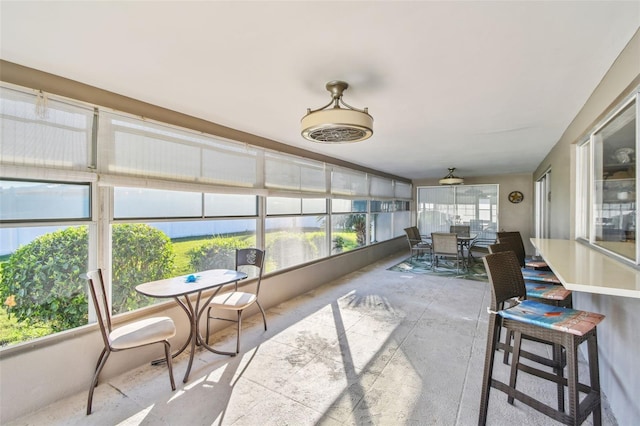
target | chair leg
[
  {"x": 239, "y": 328},
  {"x": 559, "y": 370},
  {"x": 208, "y": 320},
  {"x": 264, "y": 317},
  {"x": 104, "y": 351},
  {"x": 94, "y": 382},
  {"x": 572, "y": 380},
  {"x": 517, "y": 342},
  {"x": 167, "y": 354},
  {"x": 594, "y": 377},
  {"x": 492, "y": 335},
  {"x": 507, "y": 343}
]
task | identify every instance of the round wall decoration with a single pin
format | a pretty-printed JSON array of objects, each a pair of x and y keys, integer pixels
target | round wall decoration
[{"x": 516, "y": 197}]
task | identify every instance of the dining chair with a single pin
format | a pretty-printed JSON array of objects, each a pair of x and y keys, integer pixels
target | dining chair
[
  {"x": 132, "y": 335},
  {"x": 238, "y": 301},
  {"x": 561, "y": 327},
  {"x": 460, "y": 230},
  {"x": 416, "y": 243},
  {"x": 445, "y": 245}
]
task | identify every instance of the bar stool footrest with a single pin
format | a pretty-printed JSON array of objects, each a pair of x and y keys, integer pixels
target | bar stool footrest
[{"x": 532, "y": 402}]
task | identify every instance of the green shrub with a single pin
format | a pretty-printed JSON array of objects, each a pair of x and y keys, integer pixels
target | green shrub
[
  {"x": 42, "y": 282},
  {"x": 216, "y": 253},
  {"x": 141, "y": 253}
]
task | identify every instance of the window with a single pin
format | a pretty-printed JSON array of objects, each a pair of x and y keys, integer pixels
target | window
[
  {"x": 606, "y": 169},
  {"x": 349, "y": 230},
  {"x": 439, "y": 207},
  {"x": 45, "y": 241},
  {"x": 146, "y": 200},
  {"x": 156, "y": 203},
  {"x": 44, "y": 201},
  {"x": 148, "y": 250},
  {"x": 295, "y": 231}
]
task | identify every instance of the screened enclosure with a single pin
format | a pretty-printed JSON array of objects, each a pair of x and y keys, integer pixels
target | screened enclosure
[{"x": 440, "y": 207}]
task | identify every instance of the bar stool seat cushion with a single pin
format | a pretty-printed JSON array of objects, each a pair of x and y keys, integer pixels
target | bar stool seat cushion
[
  {"x": 538, "y": 275},
  {"x": 546, "y": 291},
  {"x": 566, "y": 320},
  {"x": 533, "y": 263}
]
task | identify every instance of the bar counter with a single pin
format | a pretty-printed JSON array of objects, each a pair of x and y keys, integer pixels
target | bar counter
[{"x": 581, "y": 268}]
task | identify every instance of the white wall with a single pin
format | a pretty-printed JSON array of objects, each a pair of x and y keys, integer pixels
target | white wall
[
  {"x": 619, "y": 333},
  {"x": 37, "y": 373}
]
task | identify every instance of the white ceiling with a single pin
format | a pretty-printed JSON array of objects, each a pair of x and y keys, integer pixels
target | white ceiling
[{"x": 487, "y": 87}]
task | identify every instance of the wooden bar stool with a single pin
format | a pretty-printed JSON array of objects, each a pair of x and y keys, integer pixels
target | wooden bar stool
[{"x": 561, "y": 327}]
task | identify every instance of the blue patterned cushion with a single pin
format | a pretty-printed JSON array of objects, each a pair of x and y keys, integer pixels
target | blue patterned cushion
[
  {"x": 546, "y": 291},
  {"x": 536, "y": 263},
  {"x": 553, "y": 317},
  {"x": 537, "y": 275}
]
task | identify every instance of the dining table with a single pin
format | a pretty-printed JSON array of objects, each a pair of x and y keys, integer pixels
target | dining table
[
  {"x": 182, "y": 289},
  {"x": 464, "y": 242}
]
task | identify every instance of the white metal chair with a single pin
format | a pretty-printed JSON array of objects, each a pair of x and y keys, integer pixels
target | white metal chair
[
  {"x": 131, "y": 335},
  {"x": 236, "y": 300}
]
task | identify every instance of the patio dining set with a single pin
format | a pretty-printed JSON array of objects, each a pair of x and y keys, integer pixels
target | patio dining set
[{"x": 456, "y": 246}]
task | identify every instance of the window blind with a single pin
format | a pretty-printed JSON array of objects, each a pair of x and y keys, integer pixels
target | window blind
[
  {"x": 294, "y": 174},
  {"x": 41, "y": 132},
  {"x": 403, "y": 190},
  {"x": 381, "y": 187},
  {"x": 135, "y": 147},
  {"x": 349, "y": 182}
]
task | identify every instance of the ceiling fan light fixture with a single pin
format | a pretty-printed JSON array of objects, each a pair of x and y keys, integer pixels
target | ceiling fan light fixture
[
  {"x": 450, "y": 179},
  {"x": 337, "y": 124}
]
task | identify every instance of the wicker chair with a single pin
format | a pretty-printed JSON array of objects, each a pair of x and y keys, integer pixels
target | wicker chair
[
  {"x": 546, "y": 292},
  {"x": 445, "y": 245},
  {"x": 529, "y": 262},
  {"x": 558, "y": 326},
  {"x": 416, "y": 243},
  {"x": 543, "y": 275}
]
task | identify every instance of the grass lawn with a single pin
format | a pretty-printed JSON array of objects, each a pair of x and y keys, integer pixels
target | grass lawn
[
  {"x": 180, "y": 247},
  {"x": 11, "y": 331}
]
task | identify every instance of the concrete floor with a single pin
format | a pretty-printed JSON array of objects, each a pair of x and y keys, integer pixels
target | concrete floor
[{"x": 374, "y": 347}]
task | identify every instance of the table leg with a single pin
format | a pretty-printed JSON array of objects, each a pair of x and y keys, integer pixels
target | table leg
[
  {"x": 196, "y": 338},
  {"x": 192, "y": 335},
  {"x": 186, "y": 342},
  {"x": 201, "y": 341}
]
